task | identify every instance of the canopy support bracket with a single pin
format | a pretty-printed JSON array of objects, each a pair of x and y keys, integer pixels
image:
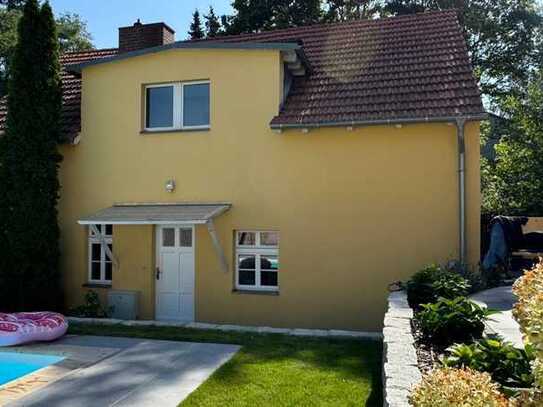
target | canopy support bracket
[
  {"x": 104, "y": 245},
  {"x": 217, "y": 244}
]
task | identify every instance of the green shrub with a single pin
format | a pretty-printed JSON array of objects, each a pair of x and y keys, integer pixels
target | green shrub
[
  {"x": 528, "y": 312},
  {"x": 506, "y": 364},
  {"x": 433, "y": 282},
  {"x": 92, "y": 308},
  {"x": 448, "y": 321},
  {"x": 448, "y": 387}
]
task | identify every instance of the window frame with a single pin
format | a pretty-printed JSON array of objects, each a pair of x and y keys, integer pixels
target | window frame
[
  {"x": 257, "y": 250},
  {"x": 92, "y": 239},
  {"x": 178, "y": 106}
]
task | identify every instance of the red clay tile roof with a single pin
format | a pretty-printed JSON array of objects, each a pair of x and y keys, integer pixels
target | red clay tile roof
[
  {"x": 398, "y": 68},
  {"x": 71, "y": 89},
  {"x": 394, "y": 69}
]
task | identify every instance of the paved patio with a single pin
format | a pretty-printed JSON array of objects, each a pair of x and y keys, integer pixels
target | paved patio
[
  {"x": 501, "y": 299},
  {"x": 126, "y": 371}
]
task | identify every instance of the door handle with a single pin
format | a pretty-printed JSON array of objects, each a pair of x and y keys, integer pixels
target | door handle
[{"x": 158, "y": 273}]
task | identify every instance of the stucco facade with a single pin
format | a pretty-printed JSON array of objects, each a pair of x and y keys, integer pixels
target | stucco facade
[{"x": 356, "y": 209}]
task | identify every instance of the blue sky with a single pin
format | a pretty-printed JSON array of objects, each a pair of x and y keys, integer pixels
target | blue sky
[{"x": 105, "y": 16}]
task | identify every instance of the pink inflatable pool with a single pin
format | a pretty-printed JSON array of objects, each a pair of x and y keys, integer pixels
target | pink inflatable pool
[{"x": 23, "y": 327}]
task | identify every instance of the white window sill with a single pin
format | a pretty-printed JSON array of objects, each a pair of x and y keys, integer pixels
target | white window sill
[
  {"x": 255, "y": 291},
  {"x": 183, "y": 130},
  {"x": 97, "y": 284}
]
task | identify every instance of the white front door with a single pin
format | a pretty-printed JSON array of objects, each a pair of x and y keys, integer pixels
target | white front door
[{"x": 175, "y": 273}]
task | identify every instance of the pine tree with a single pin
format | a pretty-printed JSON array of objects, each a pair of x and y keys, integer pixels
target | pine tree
[
  {"x": 29, "y": 163},
  {"x": 196, "y": 31},
  {"x": 213, "y": 25}
]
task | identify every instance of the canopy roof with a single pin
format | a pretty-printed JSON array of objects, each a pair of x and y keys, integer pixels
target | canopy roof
[{"x": 186, "y": 213}]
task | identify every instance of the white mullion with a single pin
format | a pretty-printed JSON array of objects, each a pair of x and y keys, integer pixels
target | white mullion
[
  {"x": 257, "y": 270},
  {"x": 179, "y": 91},
  {"x": 102, "y": 263}
]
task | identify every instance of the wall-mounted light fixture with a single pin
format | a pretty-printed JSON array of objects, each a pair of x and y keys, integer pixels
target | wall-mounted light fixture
[{"x": 170, "y": 185}]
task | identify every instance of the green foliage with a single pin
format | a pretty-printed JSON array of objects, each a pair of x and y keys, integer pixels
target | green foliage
[
  {"x": 92, "y": 307},
  {"x": 196, "y": 32},
  {"x": 29, "y": 252},
  {"x": 506, "y": 364},
  {"x": 345, "y": 10},
  {"x": 72, "y": 33},
  {"x": 513, "y": 182},
  {"x": 504, "y": 37},
  {"x": 8, "y": 40},
  {"x": 528, "y": 312},
  {"x": 262, "y": 15},
  {"x": 448, "y": 321},
  {"x": 433, "y": 282},
  {"x": 448, "y": 387},
  {"x": 212, "y": 23},
  {"x": 12, "y": 4}
]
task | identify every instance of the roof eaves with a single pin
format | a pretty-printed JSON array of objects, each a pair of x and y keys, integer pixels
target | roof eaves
[
  {"x": 280, "y": 46},
  {"x": 380, "y": 122}
]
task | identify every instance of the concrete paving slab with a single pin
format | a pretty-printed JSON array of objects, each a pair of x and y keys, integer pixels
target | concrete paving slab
[
  {"x": 503, "y": 324},
  {"x": 142, "y": 373}
]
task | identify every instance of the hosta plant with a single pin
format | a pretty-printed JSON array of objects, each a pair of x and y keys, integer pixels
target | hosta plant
[
  {"x": 506, "y": 364},
  {"x": 448, "y": 321},
  {"x": 433, "y": 282},
  {"x": 447, "y": 387},
  {"x": 528, "y": 312}
]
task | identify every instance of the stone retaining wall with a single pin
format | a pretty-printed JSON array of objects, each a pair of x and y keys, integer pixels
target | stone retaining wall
[{"x": 400, "y": 369}]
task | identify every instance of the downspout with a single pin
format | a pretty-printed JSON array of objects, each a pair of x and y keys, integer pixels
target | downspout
[{"x": 460, "y": 125}]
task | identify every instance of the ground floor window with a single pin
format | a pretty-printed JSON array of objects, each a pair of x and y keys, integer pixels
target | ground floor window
[
  {"x": 100, "y": 265},
  {"x": 257, "y": 260}
]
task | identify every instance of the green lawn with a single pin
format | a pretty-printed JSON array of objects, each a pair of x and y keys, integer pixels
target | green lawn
[{"x": 276, "y": 370}]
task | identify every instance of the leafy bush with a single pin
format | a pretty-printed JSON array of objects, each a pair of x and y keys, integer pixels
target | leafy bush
[
  {"x": 528, "y": 312},
  {"x": 448, "y": 387},
  {"x": 433, "y": 282},
  {"x": 92, "y": 307},
  {"x": 448, "y": 321},
  {"x": 506, "y": 364}
]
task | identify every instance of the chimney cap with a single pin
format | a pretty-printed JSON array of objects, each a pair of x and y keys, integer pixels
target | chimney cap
[{"x": 138, "y": 24}]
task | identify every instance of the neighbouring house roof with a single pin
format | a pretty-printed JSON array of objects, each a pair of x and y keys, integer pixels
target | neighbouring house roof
[
  {"x": 156, "y": 214},
  {"x": 400, "y": 69},
  {"x": 71, "y": 92}
]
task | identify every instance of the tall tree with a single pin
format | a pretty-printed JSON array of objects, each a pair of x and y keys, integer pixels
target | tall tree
[
  {"x": 12, "y": 4},
  {"x": 261, "y": 15},
  {"x": 212, "y": 23},
  {"x": 343, "y": 10},
  {"x": 73, "y": 34},
  {"x": 196, "y": 31},
  {"x": 504, "y": 37},
  {"x": 72, "y": 31},
  {"x": 29, "y": 163},
  {"x": 512, "y": 183}
]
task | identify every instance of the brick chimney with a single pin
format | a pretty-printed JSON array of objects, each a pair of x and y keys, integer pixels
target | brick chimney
[{"x": 139, "y": 36}]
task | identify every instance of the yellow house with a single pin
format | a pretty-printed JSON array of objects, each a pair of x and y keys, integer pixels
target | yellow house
[{"x": 278, "y": 179}]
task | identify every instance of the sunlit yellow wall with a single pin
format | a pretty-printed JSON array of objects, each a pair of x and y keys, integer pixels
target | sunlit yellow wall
[{"x": 356, "y": 210}]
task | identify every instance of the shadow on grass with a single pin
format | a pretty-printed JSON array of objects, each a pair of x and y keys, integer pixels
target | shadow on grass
[{"x": 301, "y": 366}]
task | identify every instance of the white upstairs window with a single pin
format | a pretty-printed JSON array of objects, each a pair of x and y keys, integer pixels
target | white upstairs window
[{"x": 177, "y": 106}]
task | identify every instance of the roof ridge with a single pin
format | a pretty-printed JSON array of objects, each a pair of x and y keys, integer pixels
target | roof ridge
[{"x": 323, "y": 25}]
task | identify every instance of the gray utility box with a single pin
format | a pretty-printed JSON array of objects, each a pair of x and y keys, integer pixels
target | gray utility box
[{"x": 125, "y": 304}]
